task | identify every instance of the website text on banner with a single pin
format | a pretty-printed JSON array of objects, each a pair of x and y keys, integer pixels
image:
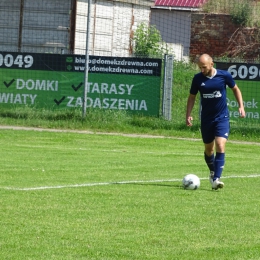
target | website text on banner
[{"x": 54, "y": 81}]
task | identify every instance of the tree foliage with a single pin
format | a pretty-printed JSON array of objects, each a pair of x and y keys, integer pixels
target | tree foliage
[{"x": 147, "y": 42}]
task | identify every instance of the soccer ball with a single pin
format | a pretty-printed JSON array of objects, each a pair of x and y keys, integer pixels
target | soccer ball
[{"x": 191, "y": 182}]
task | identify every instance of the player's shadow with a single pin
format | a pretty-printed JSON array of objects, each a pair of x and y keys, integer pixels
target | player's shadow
[{"x": 176, "y": 186}]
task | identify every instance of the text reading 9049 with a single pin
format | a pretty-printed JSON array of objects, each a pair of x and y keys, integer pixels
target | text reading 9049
[
  {"x": 20, "y": 61},
  {"x": 245, "y": 71}
]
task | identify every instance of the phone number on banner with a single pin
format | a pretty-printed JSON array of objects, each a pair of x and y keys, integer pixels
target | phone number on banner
[{"x": 245, "y": 71}]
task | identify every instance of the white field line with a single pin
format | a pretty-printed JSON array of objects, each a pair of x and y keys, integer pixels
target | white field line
[{"x": 117, "y": 182}]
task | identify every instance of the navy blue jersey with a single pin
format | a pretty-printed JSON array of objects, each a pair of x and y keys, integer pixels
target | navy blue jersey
[{"x": 213, "y": 94}]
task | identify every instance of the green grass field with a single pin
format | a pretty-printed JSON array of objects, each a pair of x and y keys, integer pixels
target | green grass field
[{"x": 94, "y": 196}]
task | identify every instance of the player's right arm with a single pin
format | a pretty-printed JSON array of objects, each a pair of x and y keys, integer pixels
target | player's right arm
[{"x": 190, "y": 105}]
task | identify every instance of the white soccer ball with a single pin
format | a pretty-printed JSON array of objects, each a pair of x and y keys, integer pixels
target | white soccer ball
[{"x": 191, "y": 182}]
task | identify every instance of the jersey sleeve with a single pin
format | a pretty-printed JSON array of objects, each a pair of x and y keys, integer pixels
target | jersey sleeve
[
  {"x": 229, "y": 80},
  {"x": 194, "y": 86}
]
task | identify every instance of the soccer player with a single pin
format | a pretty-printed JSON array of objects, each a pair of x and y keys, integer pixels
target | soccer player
[{"x": 214, "y": 114}]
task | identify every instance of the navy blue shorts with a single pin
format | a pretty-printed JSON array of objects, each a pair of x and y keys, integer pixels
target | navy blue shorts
[{"x": 210, "y": 130}]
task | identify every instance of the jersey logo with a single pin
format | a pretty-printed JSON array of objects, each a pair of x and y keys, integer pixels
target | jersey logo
[{"x": 215, "y": 94}]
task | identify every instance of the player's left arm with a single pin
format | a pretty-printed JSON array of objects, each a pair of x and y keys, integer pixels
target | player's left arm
[{"x": 238, "y": 95}]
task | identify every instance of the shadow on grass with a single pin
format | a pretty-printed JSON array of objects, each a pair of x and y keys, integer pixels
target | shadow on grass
[{"x": 175, "y": 186}]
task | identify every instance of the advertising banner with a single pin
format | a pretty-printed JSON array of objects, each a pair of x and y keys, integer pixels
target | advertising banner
[
  {"x": 54, "y": 81},
  {"x": 247, "y": 77}
]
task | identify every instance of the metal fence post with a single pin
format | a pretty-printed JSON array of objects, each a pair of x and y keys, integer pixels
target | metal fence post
[
  {"x": 84, "y": 99},
  {"x": 167, "y": 87}
]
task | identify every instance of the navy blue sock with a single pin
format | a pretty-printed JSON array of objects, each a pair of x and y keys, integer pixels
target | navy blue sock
[
  {"x": 219, "y": 165},
  {"x": 209, "y": 161}
]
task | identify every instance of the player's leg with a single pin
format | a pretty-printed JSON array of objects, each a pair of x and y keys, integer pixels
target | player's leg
[
  {"x": 209, "y": 155},
  {"x": 219, "y": 162},
  {"x": 208, "y": 136},
  {"x": 221, "y": 132},
  {"x": 210, "y": 159}
]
